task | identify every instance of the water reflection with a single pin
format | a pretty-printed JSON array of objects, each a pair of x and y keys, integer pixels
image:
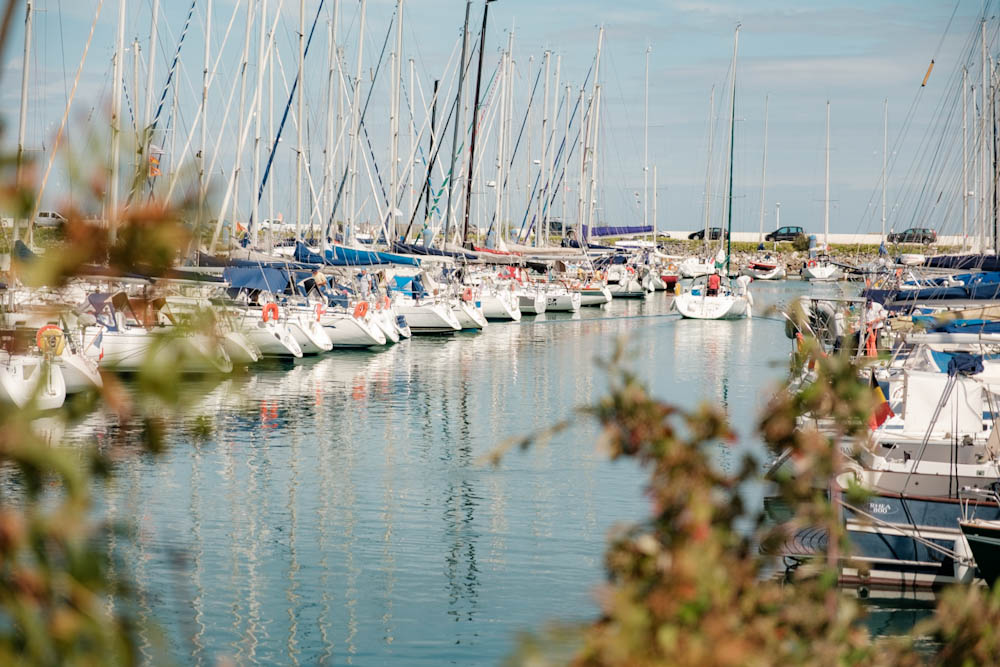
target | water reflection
[{"x": 332, "y": 510}]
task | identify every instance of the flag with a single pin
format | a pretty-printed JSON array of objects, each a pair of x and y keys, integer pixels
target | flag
[
  {"x": 98, "y": 342},
  {"x": 154, "y": 166},
  {"x": 882, "y": 409}
]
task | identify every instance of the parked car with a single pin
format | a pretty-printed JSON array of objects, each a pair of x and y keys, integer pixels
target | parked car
[
  {"x": 785, "y": 234},
  {"x": 714, "y": 234},
  {"x": 914, "y": 235},
  {"x": 49, "y": 219}
]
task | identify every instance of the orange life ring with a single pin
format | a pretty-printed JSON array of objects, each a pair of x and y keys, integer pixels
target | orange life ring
[
  {"x": 467, "y": 294},
  {"x": 50, "y": 339},
  {"x": 320, "y": 311},
  {"x": 812, "y": 263},
  {"x": 270, "y": 308},
  {"x": 386, "y": 303},
  {"x": 630, "y": 269},
  {"x": 361, "y": 310}
]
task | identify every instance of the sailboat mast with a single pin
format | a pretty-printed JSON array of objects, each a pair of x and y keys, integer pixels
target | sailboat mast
[
  {"x": 498, "y": 183},
  {"x": 151, "y": 67},
  {"x": 356, "y": 131},
  {"x": 539, "y": 206},
  {"x": 965, "y": 157},
  {"x": 22, "y": 124},
  {"x": 475, "y": 123},
  {"x": 116, "y": 125},
  {"x": 300, "y": 119},
  {"x": 655, "y": 195},
  {"x": 244, "y": 64},
  {"x": 396, "y": 72},
  {"x": 258, "y": 104},
  {"x": 732, "y": 139},
  {"x": 982, "y": 145},
  {"x": 826, "y": 192},
  {"x": 203, "y": 153},
  {"x": 454, "y": 137},
  {"x": 708, "y": 163},
  {"x": 885, "y": 159},
  {"x": 645, "y": 146},
  {"x": 763, "y": 175}
]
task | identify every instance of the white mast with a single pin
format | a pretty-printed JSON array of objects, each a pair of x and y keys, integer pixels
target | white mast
[
  {"x": 826, "y": 196},
  {"x": 498, "y": 183},
  {"x": 708, "y": 163},
  {"x": 982, "y": 147},
  {"x": 300, "y": 116},
  {"x": 763, "y": 175},
  {"x": 397, "y": 75},
  {"x": 151, "y": 67},
  {"x": 331, "y": 53},
  {"x": 245, "y": 61},
  {"x": 885, "y": 159},
  {"x": 582, "y": 150},
  {"x": 356, "y": 128},
  {"x": 551, "y": 166},
  {"x": 23, "y": 114},
  {"x": 258, "y": 104},
  {"x": 645, "y": 147},
  {"x": 655, "y": 195},
  {"x": 116, "y": 121},
  {"x": 203, "y": 153},
  {"x": 565, "y": 168},
  {"x": 539, "y": 206},
  {"x": 413, "y": 139},
  {"x": 965, "y": 157}
]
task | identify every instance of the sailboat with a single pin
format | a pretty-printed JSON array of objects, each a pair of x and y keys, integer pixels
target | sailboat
[
  {"x": 714, "y": 297},
  {"x": 766, "y": 267},
  {"x": 819, "y": 268}
]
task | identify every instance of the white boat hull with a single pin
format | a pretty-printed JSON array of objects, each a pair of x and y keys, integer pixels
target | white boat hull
[
  {"x": 701, "y": 307},
  {"x": 821, "y": 272},
  {"x": 25, "y": 377},
  {"x": 469, "y": 315},
  {"x": 500, "y": 305}
]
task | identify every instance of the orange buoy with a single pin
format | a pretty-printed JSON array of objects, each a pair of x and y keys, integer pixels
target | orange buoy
[
  {"x": 361, "y": 310},
  {"x": 271, "y": 308},
  {"x": 50, "y": 339}
]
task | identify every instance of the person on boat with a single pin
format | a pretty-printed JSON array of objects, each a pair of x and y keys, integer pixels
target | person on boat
[{"x": 714, "y": 281}]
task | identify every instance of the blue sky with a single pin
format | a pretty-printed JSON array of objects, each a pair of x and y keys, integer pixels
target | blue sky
[{"x": 798, "y": 54}]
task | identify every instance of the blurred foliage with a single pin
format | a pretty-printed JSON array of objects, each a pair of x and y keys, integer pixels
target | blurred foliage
[
  {"x": 65, "y": 596},
  {"x": 695, "y": 584}
]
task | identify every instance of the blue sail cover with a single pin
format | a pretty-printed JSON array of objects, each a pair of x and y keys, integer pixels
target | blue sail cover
[
  {"x": 256, "y": 278},
  {"x": 351, "y": 257},
  {"x": 616, "y": 231},
  {"x": 306, "y": 256},
  {"x": 416, "y": 249},
  {"x": 984, "y": 262}
]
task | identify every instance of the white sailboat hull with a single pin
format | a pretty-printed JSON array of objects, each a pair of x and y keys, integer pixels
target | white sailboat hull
[
  {"x": 821, "y": 272},
  {"x": 701, "y": 307}
]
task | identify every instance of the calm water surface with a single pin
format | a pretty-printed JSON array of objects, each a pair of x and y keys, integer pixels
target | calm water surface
[{"x": 338, "y": 510}]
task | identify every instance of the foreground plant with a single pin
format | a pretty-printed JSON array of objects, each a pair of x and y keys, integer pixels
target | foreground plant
[{"x": 691, "y": 584}]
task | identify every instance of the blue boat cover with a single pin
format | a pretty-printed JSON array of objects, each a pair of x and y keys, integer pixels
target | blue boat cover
[
  {"x": 966, "y": 364},
  {"x": 256, "y": 278},
  {"x": 408, "y": 285},
  {"x": 616, "y": 231},
  {"x": 353, "y": 257},
  {"x": 417, "y": 249},
  {"x": 968, "y": 326}
]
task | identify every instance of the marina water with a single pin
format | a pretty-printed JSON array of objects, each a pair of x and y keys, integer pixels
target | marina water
[{"x": 338, "y": 510}]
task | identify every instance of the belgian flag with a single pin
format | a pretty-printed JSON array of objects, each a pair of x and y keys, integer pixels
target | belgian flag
[{"x": 882, "y": 409}]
